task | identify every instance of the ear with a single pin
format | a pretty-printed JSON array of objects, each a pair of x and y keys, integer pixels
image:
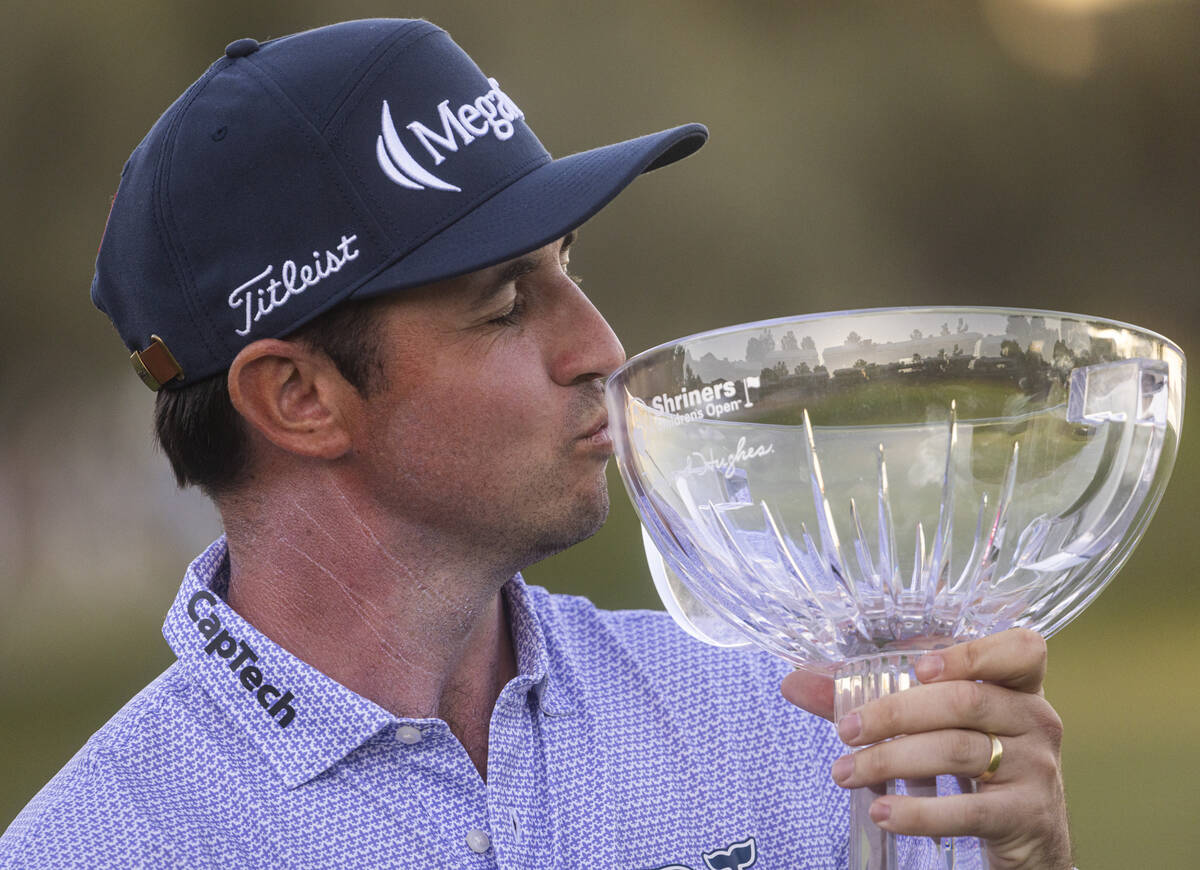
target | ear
[{"x": 294, "y": 397}]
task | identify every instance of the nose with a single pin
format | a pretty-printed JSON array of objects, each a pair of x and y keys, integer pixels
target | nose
[{"x": 586, "y": 347}]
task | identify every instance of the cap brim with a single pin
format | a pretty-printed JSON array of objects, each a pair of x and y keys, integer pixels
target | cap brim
[{"x": 538, "y": 208}]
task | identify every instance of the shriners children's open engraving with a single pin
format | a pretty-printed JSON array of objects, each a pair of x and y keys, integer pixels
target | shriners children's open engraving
[
  {"x": 712, "y": 402},
  {"x": 223, "y": 644}
]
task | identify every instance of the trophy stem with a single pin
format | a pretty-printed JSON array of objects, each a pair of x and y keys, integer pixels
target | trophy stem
[{"x": 855, "y": 683}]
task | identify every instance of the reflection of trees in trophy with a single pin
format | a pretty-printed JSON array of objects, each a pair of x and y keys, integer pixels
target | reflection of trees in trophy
[
  {"x": 667, "y": 379},
  {"x": 1024, "y": 369},
  {"x": 1020, "y": 367}
]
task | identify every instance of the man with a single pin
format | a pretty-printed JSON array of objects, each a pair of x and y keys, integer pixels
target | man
[{"x": 341, "y": 258}]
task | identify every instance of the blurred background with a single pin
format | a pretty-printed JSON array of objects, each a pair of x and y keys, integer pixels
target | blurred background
[{"x": 1039, "y": 153}]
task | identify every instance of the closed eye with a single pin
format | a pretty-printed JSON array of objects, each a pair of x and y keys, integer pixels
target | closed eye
[{"x": 512, "y": 315}]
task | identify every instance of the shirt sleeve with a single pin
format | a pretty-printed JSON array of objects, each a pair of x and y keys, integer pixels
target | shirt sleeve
[{"x": 83, "y": 818}]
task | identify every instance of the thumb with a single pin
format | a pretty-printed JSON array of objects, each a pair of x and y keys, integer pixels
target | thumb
[{"x": 810, "y": 691}]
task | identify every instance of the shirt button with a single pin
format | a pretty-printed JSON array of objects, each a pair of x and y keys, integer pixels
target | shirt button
[
  {"x": 479, "y": 841},
  {"x": 409, "y": 735}
]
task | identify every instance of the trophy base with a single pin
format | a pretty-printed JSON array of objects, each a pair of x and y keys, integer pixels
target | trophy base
[{"x": 871, "y": 848}]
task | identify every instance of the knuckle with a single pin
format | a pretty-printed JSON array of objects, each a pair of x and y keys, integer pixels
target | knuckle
[
  {"x": 962, "y": 749},
  {"x": 1032, "y": 644},
  {"x": 975, "y": 816},
  {"x": 869, "y": 765},
  {"x": 884, "y": 719},
  {"x": 969, "y": 700},
  {"x": 1054, "y": 728},
  {"x": 1047, "y": 721},
  {"x": 1046, "y": 766},
  {"x": 1044, "y": 763},
  {"x": 971, "y": 654}
]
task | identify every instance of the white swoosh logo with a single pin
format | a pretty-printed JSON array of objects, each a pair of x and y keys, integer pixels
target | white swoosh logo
[{"x": 399, "y": 165}]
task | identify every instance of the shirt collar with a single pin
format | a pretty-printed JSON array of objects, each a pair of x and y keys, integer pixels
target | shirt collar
[
  {"x": 303, "y": 721},
  {"x": 541, "y": 663}
]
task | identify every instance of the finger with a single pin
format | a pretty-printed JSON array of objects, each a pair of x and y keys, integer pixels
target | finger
[
  {"x": 1020, "y": 832},
  {"x": 1015, "y": 659},
  {"x": 989, "y": 815},
  {"x": 960, "y": 704},
  {"x": 811, "y": 691},
  {"x": 956, "y": 751}
]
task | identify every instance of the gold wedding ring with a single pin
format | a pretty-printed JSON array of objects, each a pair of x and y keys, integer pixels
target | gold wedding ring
[{"x": 994, "y": 761}]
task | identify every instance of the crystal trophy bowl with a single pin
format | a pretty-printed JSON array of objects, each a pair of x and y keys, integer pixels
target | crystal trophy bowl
[{"x": 849, "y": 490}]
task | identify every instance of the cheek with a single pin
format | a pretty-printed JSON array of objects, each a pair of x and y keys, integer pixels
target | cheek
[{"x": 467, "y": 420}]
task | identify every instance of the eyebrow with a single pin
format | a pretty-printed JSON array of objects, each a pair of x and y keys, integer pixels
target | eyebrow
[{"x": 518, "y": 268}]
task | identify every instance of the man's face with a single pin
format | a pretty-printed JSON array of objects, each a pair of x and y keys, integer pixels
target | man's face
[{"x": 490, "y": 429}]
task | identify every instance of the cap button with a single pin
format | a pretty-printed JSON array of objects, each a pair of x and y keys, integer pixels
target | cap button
[{"x": 241, "y": 47}]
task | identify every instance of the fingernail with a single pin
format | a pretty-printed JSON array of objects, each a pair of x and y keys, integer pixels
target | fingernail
[
  {"x": 880, "y": 812},
  {"x": 843, "y": 767},
  {"x": 929, "y": 667},
  {"x": 850, "y": 727}
]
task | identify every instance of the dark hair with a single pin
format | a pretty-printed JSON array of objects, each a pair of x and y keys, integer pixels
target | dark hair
[{"x": 204, "y": 436}]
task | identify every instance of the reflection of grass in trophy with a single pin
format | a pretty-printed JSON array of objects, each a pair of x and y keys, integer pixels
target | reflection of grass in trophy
[
  {"x": 1046, "y": 439},
  {"x": 889, "y": 403}
]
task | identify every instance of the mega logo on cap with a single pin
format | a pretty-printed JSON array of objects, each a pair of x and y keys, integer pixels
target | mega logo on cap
[{"x": 491, "y": 113}]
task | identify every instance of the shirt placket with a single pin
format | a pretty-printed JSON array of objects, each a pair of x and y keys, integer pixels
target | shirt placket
[
  {"x": 438, "y": 782},
  {"x": 516, "y": 797}
]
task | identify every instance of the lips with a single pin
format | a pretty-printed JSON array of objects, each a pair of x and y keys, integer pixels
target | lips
[{"x": 598, "y": 433}]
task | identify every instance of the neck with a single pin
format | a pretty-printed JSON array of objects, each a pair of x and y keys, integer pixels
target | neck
[{"x": 419, "y": 632}]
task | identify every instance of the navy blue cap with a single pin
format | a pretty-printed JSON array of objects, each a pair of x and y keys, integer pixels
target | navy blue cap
[{"x": 344, "y": 162}]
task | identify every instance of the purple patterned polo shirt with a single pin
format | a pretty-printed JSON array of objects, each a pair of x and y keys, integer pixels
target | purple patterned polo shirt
[{"x": 622, "y": 743}]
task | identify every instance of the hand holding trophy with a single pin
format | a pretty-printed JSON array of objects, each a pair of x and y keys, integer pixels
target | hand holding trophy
[{"x": 853, "y": 490}]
